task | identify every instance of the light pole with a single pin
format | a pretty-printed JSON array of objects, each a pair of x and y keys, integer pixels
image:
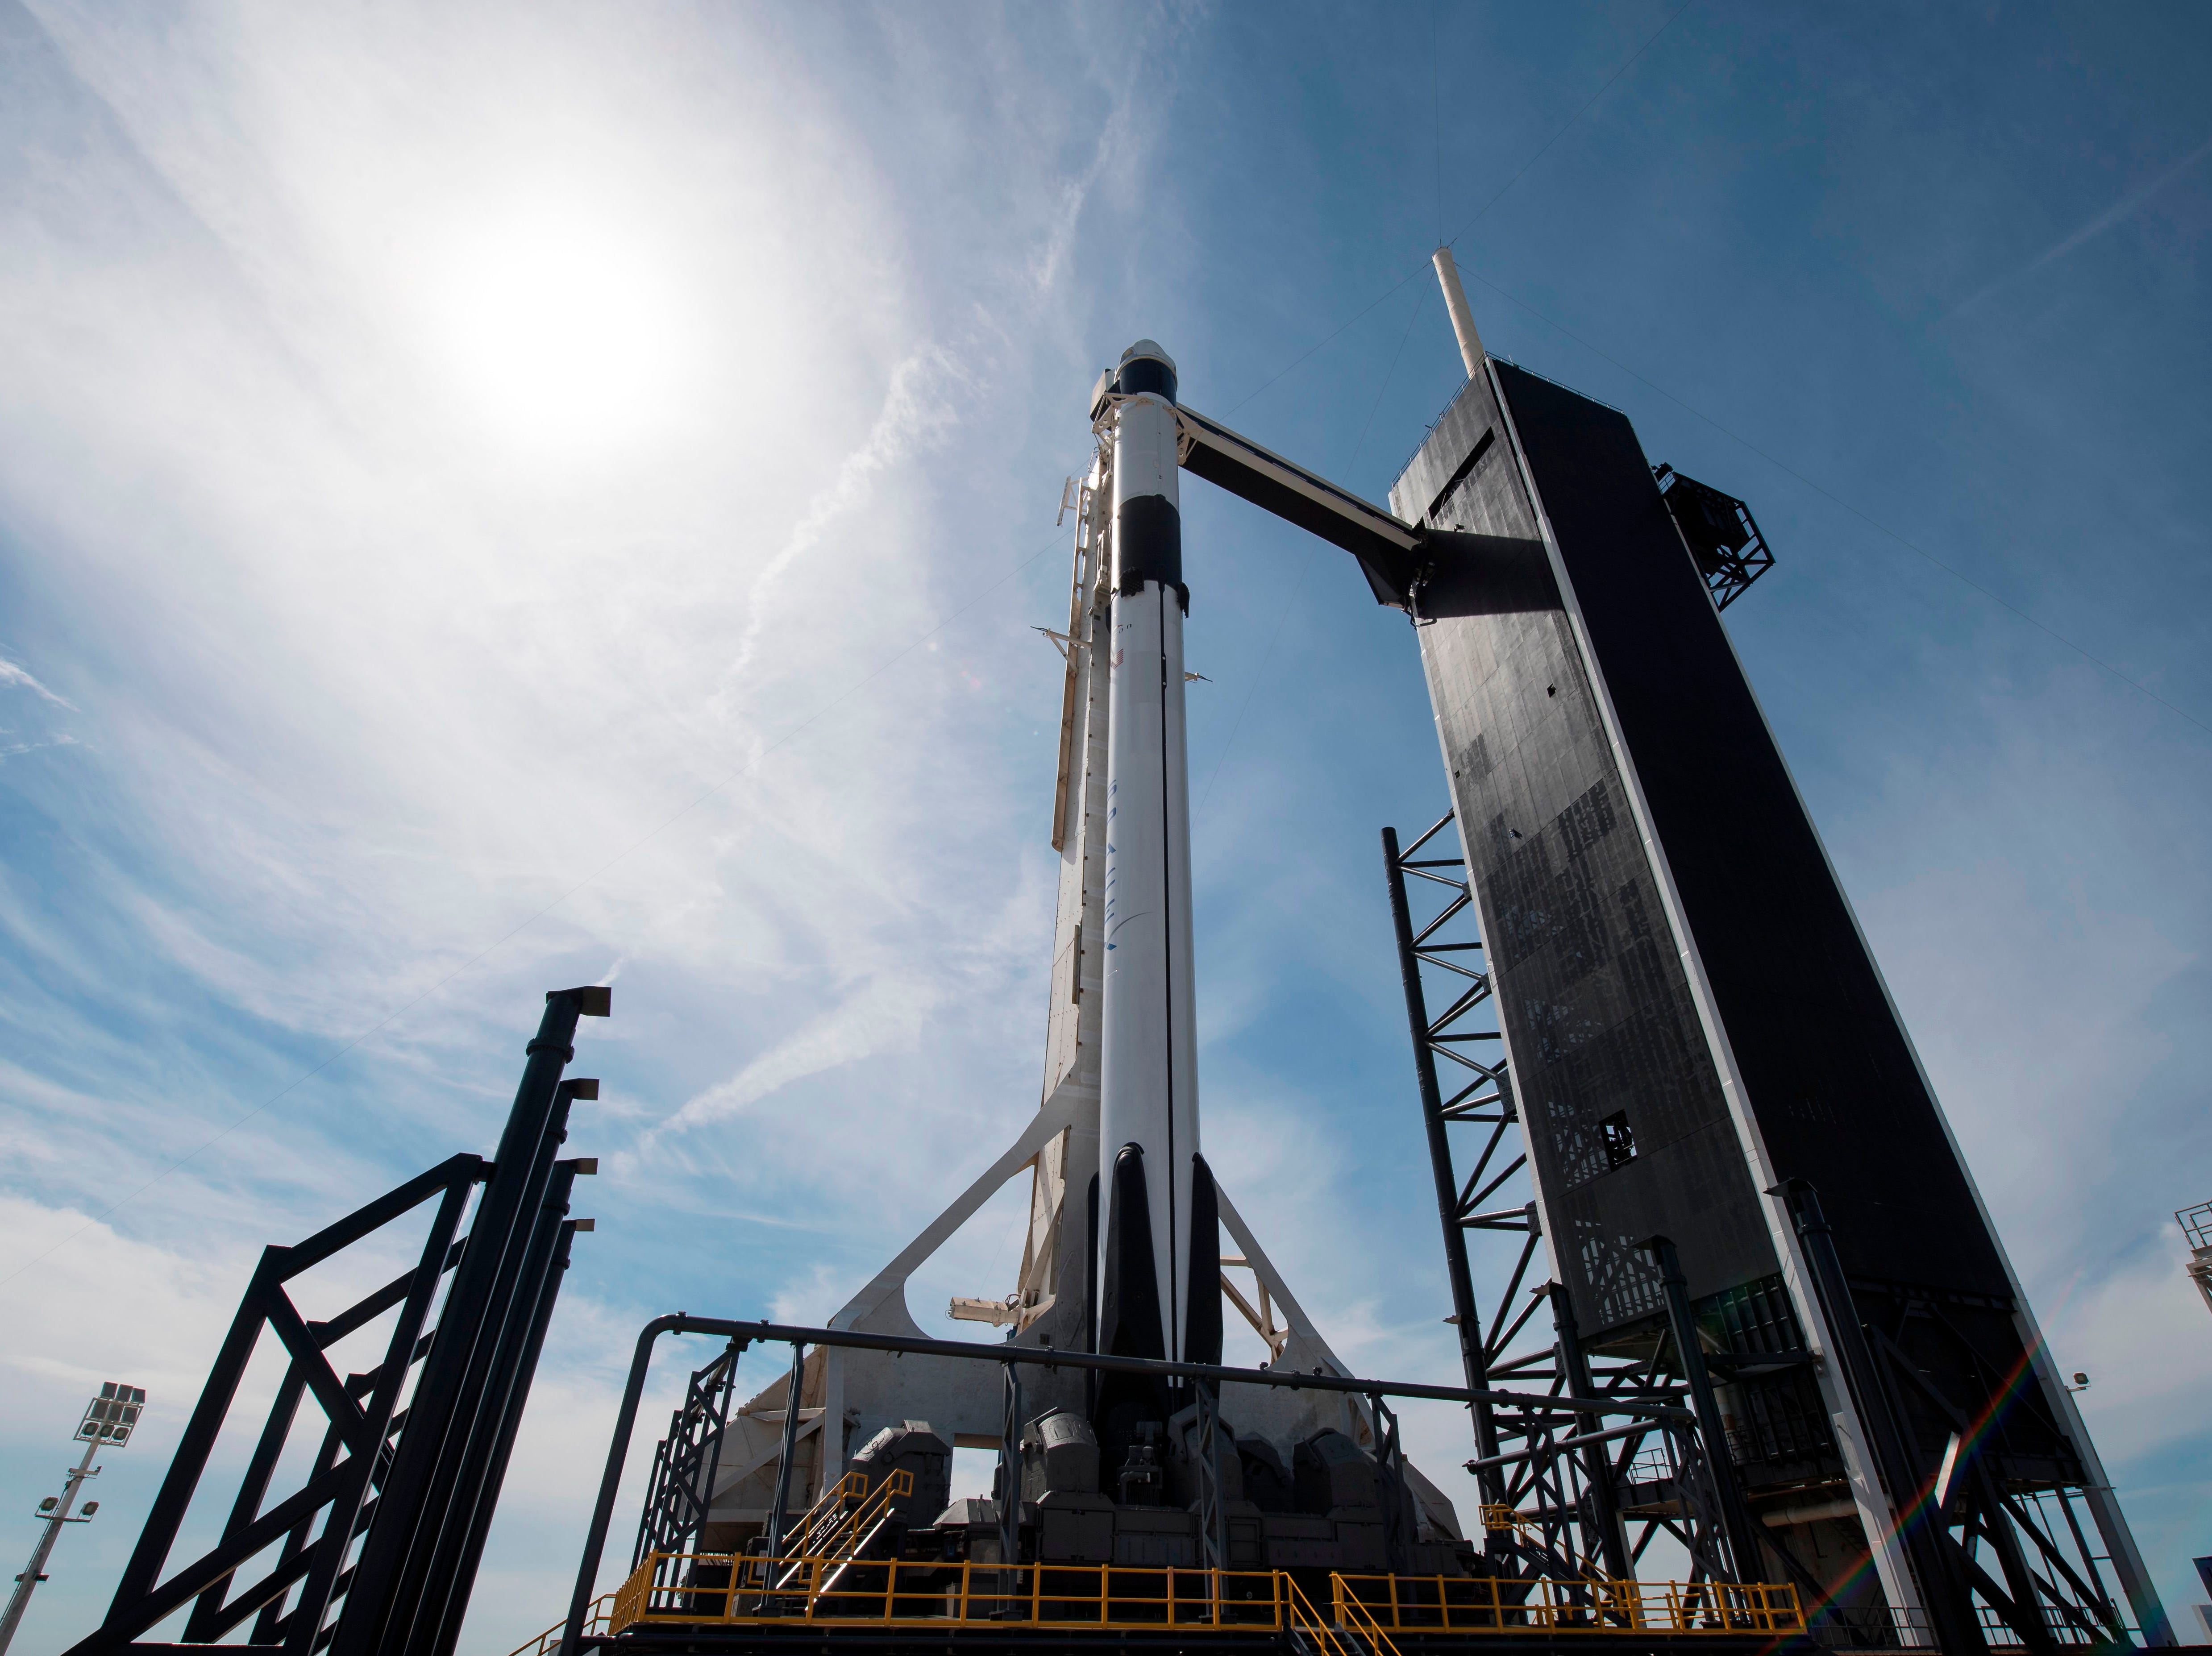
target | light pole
[{"x": 109, "y": 1418}]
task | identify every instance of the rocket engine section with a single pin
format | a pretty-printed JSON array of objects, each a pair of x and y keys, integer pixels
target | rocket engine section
[{"x": 1342, "y": 1509}]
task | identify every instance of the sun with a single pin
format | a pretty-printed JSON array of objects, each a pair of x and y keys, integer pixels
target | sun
[{"x": 556, "y": 328}]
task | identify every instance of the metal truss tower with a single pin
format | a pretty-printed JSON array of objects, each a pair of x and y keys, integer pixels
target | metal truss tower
[{"x": 1560, "y": 1489}]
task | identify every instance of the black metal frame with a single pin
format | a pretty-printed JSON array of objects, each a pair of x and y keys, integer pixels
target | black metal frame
[
  {"x": 2065, "y": 1597},
  {"x": 1720, "y": 531},
  {"x": 1573, "y": 1495},
  {"x": 1571, "y": 1484},
  {"x": 682, "y": 1488},
  {"x": 1010, "y": 1471},
  {"x": 413, "y": 1473}
]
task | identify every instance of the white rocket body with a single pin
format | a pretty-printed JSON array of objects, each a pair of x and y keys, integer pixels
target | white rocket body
[{"x": 1148, "y": 1084}]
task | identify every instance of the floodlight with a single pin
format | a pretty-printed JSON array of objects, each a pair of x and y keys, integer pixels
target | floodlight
[{"x": 111, "y": 1416}]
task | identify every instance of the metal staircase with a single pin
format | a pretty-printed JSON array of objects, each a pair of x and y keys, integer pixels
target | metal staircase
[
  {"x": 1350, "y": 1630},
  {"x": 836, "y": 1533}
]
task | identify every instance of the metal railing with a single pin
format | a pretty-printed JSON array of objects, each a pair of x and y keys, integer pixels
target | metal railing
[
  {"x": 549, "y": 1641},
  {"x": 1634, "y": 1403},
  {"x": 1355, "y": 1617},
  {"x": 1319, "y": 1637},
  {"x": 2002, "y": 1635},
  {"x": 1889, "y": 1628},
  {"x": 707, "y": 1589},
  {"x": 694, "y": 1588},
  {"x": 2197, "y": 1224},
  {"x": 1446, "y": 1604},
  {"x": 837, "y": 1526}
]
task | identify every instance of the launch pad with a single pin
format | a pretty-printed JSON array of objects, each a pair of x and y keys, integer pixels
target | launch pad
[
  {"x": 1783, "y": 1342},
  {"x": 1069, "y": 1564}
]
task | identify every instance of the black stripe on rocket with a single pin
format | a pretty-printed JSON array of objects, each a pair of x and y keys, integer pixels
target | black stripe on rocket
[
  {"x": 1202, "y": 1329},
  {"x": 1130, "y": 1324},
  {"x": 1148, "y": 528}
]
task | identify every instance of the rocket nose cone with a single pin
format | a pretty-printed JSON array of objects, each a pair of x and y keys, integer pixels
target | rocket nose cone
[
  {"x": 1146, "y": 367},
  {"x": 1148, "y": 348}
]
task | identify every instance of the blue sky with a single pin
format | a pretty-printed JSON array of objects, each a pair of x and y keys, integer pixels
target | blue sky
[{"x": 493, "y": 498}]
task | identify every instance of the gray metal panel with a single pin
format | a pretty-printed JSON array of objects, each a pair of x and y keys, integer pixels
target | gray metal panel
[
  {"x": 1592, "y": 996},
  {"x": 1830, "y": 1077}
]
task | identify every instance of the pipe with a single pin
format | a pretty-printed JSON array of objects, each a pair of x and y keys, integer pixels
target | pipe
[
  {"x": 1462, "y": 319},
  {"x": 1809, "y": 1512},
  {"x": 1597, "y": 1466},
  {"x": 1956, "y": 1630},
  {"x": 603, "y": 1509},
  {"x": 1045, "y": 1356},
  {"x": 1048, "y": 1356},
  {"x": 405, "y": 1565},
  {"x": 1734, "y": 1517},
  {"x": 795, "y": 1405},
  {"x": 1560, "y": 1446}
]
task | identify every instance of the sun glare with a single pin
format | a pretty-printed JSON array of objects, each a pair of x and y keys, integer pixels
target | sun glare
[{"x": 556, "y": 331}]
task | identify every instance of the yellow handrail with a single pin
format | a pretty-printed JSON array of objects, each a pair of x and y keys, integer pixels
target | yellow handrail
[
  {"x": 834, "y": 1528},
  {"x": 1366, "y": 1611},
  {"x": 1448, "y": 1603},
  {"x": 872, "y": 1506},
  {"x": 595, "y": 1621},
  {"x": 1352, "y": 1614},
  {"x": 853, "y": 1486},
  {"x": 1304, "y": 1619}
]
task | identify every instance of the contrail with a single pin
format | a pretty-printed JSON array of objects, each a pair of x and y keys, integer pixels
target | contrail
[{"x": 2095, "y": 228}]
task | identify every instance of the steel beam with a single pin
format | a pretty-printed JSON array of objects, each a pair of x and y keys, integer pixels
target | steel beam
[
  {"x": 1466, "y": 1315},
  {"x": 394, "y": 1579}
]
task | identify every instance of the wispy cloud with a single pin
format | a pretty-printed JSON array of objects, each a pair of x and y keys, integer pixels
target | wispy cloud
[
  {"x": 883, "y": 1016},
  {"x": 2117, "y": 213},
  {"x": 14, "y": 677},
  {"x": 919, "y": 407},
  {"x": 389, "y": 660}
]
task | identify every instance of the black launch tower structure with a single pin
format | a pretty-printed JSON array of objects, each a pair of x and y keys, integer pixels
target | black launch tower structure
[{"x": 1741, "y": 1179}]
